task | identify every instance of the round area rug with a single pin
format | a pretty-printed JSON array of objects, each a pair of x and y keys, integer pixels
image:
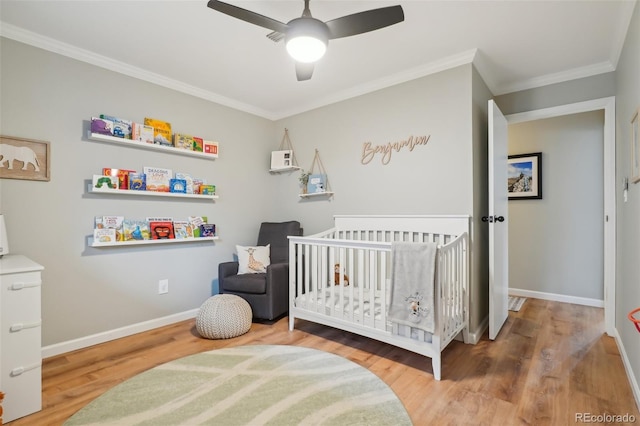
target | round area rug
[{"x": 249, "y": 385}]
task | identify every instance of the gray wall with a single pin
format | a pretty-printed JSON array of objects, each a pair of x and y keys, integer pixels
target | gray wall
[
  {"x": 628, "y": 235},
  {"x": 49, "y": 97},
  {"x": 87, "y": 291},
  {"x": 556, "y": 244},
  {"x": 434, "y": 179}
]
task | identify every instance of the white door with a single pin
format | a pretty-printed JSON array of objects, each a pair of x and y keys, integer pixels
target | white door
[{"x": 497, "y": 222}]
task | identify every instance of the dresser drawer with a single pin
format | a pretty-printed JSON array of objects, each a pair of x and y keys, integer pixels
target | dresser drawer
[
  {"x": 20, "y": 297},
  {"x": 20, "y": 348},
  {"x": 23, "y": 392}
]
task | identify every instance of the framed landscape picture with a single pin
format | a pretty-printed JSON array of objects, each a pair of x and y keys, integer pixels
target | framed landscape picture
[{"x": 524, "y": 176}]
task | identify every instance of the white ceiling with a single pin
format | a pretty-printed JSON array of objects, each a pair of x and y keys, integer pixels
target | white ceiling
[{"x": 187, "y": 46}]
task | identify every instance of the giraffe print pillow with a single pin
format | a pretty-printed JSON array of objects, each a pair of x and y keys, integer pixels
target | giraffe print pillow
[{"x": 253, "y": 260}]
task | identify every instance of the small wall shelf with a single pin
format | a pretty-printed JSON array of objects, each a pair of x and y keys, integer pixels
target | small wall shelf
[
  {"x": 149, "y": 146},
  {"x": 317, "y": 194},
  {"x": 102, "y": 191},
  {"x": 92, "y": 243},
  {"x": 286, "y": 169}
]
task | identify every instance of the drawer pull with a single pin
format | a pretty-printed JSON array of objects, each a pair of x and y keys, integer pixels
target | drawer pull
[
  {"x": 23, "y": 369},
  {"x": 20, "y": 285},
  {"x": 19, "y": 326}
]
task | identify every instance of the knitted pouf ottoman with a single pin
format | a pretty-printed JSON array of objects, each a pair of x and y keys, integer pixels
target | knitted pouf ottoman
[{"x": 223, "y": 316}]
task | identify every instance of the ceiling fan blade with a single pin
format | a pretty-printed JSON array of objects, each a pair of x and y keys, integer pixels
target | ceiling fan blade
[
  {"x": 247, "y": 16},
  {"x": 275, "y": 36},
  {"x": 304, "y": 71},
  {"x": 363, "y": 22}
]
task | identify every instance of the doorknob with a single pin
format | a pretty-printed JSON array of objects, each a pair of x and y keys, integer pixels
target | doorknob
[{"x": 492, "y": 219}]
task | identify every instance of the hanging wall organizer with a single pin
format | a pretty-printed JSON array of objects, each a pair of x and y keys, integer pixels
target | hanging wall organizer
[
  {"x": 284, "y": 160},
  {"x": 315, "y": 182}
]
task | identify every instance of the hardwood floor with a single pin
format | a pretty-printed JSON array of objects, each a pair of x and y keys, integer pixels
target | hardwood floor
[{"x": 551, "y": 362}]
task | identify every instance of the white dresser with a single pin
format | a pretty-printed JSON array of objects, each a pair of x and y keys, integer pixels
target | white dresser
[{"x": 20, "y": 336}]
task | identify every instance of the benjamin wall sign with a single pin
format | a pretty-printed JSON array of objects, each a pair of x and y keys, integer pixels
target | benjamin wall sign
[{"x": 369, "y": 150}]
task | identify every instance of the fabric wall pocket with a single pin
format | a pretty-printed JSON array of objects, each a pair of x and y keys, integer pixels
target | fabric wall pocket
[
  {"x": 524, "y": 180},
  {"x": 24, "y": 159}
]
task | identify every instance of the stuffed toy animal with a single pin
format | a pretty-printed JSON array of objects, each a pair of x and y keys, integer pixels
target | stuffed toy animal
[{"x": 336, "y": 269}]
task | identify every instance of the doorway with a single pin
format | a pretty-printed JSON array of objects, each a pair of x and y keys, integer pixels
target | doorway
[{"x": 609, "y": 225}]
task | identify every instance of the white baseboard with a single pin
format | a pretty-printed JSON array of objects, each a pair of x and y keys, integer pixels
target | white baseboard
[
  {"x": 557, "y": 297},
  {"x": 627, "y": 367},
  {"x": 94, "y": 339},
  {"x": 476, "y": 335}
]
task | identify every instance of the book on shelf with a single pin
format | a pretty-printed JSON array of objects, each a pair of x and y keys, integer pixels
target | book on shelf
[
  {"x": 210, "y": 147},
  {"x": 105, "y": 183},
  {"x": 101, "y": 126},
  {"x": 183, "y": 141},
  {"x": 121, "y": 127},
  {"x": 208, "y": 189},
  {"x": 182, "y": 229},
  {"x": 195, "y": 222},
  {"x": 111, "y": 222},
  {"x": 158, "y": 179},
  {"x": 121, "y": 174},
  {"x": 135, "y": 229},
  {"x": 198, "y": 144},
  {"x": 104, "y": 235},
  {"x": 178, "y": 186},
  {"x": 161, "y": 228},
  {"x": 161, "y": 131},
  {"x": 142, "y": 132},
  {"x": 207, "y": 230},
  {"x": 317, "y": 183},
  {"x": 137, "y": 181},
  {"x": 188, "y": 179}
]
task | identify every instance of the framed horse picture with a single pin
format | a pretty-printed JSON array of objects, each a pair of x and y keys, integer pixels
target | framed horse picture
[{"x": 24, "y": 159}]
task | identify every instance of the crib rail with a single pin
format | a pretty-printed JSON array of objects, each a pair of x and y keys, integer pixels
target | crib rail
[{"x": 358, "y": 271}]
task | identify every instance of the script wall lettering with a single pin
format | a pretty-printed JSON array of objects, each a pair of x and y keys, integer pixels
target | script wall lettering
[{"x": 369, "y": 150}]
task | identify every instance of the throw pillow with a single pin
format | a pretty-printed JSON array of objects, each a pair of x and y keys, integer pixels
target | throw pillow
[{"x": 253, "y": 260}]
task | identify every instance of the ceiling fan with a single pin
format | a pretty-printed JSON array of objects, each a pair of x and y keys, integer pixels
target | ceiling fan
[{"x": 306, "y": 37}]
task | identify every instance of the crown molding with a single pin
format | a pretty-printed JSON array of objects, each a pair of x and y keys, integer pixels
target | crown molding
[
  {"x": 382, "y": 83},
  {"x": 545, "y": 80},
  {"x": 33, "y": 39}
]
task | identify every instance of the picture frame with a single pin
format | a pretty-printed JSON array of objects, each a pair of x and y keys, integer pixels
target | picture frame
[
  {"x": 635, "y": 147},
  {"x": 524, "y": 176},
  {"x": 26, "y": 159}
]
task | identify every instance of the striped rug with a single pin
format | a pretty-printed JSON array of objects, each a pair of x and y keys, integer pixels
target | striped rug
[{"x": 249, "y": 385}]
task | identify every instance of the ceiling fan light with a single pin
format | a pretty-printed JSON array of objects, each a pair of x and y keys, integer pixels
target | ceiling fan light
[
  {"x": 307, "y": 39},
  {"x": 306, "y": 49}
]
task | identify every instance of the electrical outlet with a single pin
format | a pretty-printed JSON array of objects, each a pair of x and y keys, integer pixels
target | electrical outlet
[{"x": 163, "y": 286}]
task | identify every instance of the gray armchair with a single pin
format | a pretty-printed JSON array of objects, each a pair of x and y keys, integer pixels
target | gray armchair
[{"x": 267, "y": 293}]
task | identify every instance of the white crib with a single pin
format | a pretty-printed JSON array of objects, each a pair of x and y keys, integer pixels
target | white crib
[{"x": 361, "y": 246}]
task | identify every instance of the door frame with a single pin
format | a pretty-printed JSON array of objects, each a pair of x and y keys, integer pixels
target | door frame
[{"x": 609, "y": 180}]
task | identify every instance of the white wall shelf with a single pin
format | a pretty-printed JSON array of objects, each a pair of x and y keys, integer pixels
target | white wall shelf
[
  {"x": 150, "y": 146},
  {"x": 317, "y": 194},
  {"x": 107, "y": 191},
  {"x": 92, "y": 243},
  {"x": 285, "y": 169}
]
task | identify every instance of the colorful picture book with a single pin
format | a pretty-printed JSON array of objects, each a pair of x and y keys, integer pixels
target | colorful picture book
[
  {"x": 161, "y": 228},
  {"x": 105, "y": 183},
  {"x": 317, "y": 183},
  {"x": 134, "y": 229},
  {"x": 158, "y": 179},
  {"x": 182, "y": 229},
  {"x": 121, "y": 128},
  {"x": 111, "y": 222},
  {"x": 142, "y": 132},
  {"x": 161, "y": 131},
  {"x": 121, "y": 174},
  {"x": 182, "y": 141}
]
